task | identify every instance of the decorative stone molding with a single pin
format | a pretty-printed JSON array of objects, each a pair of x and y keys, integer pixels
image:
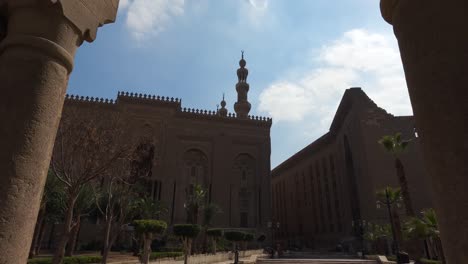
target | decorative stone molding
[
  {"x": 52, "y": 49},
  {"x": 387, "y": 8},
  {"x": 88, "y": 15},
  {"x": 85, "y": 15}
]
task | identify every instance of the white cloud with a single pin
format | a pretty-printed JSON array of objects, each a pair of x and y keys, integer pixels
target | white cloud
[
  {"x": 255, "y": 12},
  {"x": 123, "y": 4},
  {"x": 261, "y": 4},
  {"x": 147, "y": 18},
  {"x": 358, "y": 58}
]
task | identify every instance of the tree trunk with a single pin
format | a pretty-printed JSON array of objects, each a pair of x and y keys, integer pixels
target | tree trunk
[
  {"x": 404, "y": 187},
  {"x": 187, "y": 248},
  {"x": 41, "y": 237},
  {"x": 68, "y": 224},
  {"x": 106, "y": 246},
  {"x": 146, "y": 250},
  {"x": 37, "y": 229},
  {"x": 214, "y": 245},
  {"x": 397, "y": 224},
  {"x": 73, "y": 238},
  {"x": 51, "y": 236},
  {"x": 427, "y": 254},
  {"x": 440, "y": 250}
]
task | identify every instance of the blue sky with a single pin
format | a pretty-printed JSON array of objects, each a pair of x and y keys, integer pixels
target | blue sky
[{"x": 301, "y": 56}]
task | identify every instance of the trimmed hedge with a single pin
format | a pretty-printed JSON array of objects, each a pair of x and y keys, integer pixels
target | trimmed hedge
[
  {"x": 68, "y": 260},
  {"x": 235, "y": 236},
  {"x": 248, "y": 237},
  {"x": 214, "y": 232},
  {"x": 428, "y": 261},
  {"x": 150, "y": 226},
  {"x": 160, "y": 255},
  {"x": 186, "y": 230}
]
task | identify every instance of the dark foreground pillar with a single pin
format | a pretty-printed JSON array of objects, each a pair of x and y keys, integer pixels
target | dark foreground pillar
[
  {"x": 36, "y": 58},
  {"x": 433, "y": 40}
]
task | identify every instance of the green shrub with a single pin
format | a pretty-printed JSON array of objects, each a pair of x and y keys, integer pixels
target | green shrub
[
  {"x": 428, "y": 261},
  {"x": 248, "y": 237},
  {"x": 223, "y": 244},
  {"x": 68, "y": 260},
  {"x": 234, "y": 236},
  {"x": 160, "y": 255},
  {"x": 169, "y": 249},
  {"x": 150, "y": 226},
  {"x": 214, "y": 232},
  {"x": 186, "y": 230}
]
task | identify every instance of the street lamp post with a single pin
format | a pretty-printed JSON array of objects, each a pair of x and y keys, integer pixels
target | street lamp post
[{"x": 388, "y": 202}]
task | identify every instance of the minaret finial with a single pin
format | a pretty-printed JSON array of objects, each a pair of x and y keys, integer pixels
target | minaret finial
[
  {"x": 242, "y": 54},
  {"x": 223, "y": 111}
]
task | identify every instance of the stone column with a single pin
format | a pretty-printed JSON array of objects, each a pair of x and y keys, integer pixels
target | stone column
[
  {"x": 433, "y": 40},
  {"x": 36, "y": 59}
]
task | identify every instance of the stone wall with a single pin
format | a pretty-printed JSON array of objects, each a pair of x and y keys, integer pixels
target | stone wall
[{"x": 320, "y": 191}]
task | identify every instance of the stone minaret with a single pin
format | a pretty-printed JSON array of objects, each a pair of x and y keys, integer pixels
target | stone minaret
[
  {"x": 242, "y": 106},
  {"x": 223, "y": 111}
]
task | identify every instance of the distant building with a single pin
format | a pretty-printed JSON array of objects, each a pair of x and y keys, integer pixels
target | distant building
[
  {"x": 321, "y": 193},
  {"x": 226, "y": 153}
]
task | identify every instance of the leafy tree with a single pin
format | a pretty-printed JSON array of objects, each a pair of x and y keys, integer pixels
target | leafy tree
[
  {"x": 376, "y": 231},
  {"x": 83, "y": 207},
  {"x": 87, "y": 146},
  {"x": 375, "y": 234},
  {"x": 119, "y": 194},
  {"x": 187, "y": 232},
  {"x": 214, "y": 234},
  {"x": 235, "y": 237},
  {"x": 149, "y": 229},
  {"x": 394, "y": 145},
  {"x": 209, "y": 211},
  {"x": 51, "y": 210}
]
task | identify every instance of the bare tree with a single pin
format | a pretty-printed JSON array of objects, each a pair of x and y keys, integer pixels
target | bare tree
[
  {"x": 88, "y": 144},
  {"x": 118, "y": 194}
]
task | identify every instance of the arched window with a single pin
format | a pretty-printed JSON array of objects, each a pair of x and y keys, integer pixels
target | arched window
[
  {"x": 244, "y": 171},
  {"x": 195, "y": 168}
]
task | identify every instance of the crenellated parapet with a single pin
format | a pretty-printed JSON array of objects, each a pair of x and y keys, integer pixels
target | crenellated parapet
[
  {"x": 231, "y": 117},
  {"x": 164, "y": 101},
  {"x": 148, "y": 99},
  {"x": 87, "y": 99}
]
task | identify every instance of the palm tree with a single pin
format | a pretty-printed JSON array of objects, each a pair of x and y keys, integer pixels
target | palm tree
[
  {"x": 147, "y": 208},
  {"x": 392, "y": 197},
  {"x": 195, "y": 201},
  {"x": 425, "y": 227},
  {"x": 395, "y": 146}
]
